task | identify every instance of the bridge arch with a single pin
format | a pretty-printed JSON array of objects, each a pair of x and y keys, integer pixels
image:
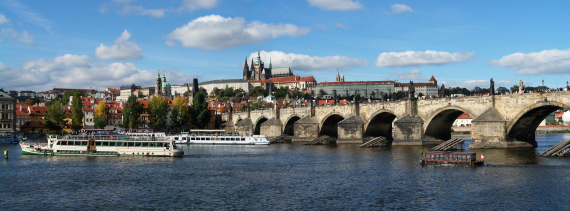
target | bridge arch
[
  {"x": 288, "y": 127},
  {"x": 329, "y": 124},
  {"x": 380, "y": 124},
  {"x": 258, "y": 122},
  {"x": 523, "y": 126},
  {"x": 438, "y": 125}
]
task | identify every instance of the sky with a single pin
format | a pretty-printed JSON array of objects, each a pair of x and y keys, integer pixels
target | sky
[{"x": 100, "y": 44}]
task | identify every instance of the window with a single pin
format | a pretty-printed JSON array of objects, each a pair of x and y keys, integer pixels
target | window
[
  {"x": 160, "y": 144},
  {"x": 468, "y": 158},
  {"x": 137, "y": 144},
  {"x": 131, "y": 144},
  {"x": 98, "y": 143},
  {"x": 152, "y": 144},
  {"x": 145, "y": 144},
  {"x": 105, "y": 144},
  {"x": 84, "y": 143},
  {"x": 112, "y": 144}
]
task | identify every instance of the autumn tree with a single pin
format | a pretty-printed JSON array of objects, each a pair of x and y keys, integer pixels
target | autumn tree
[
  {"x": 101, "y": 112},
  {"x": 180, "y": 112},
  {"x": 158, "y": 110},
  {"x": 132, "y": 113},
  {"x": 55, "y": 117},
  {"x": 200, "y": 112}
]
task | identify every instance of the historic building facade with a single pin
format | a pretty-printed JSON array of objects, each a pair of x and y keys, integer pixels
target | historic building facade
[
  {"x": 162, "y": 87},
  {"x": 7, "y": 114}
]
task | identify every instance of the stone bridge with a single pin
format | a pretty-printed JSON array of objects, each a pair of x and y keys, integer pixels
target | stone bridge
[{"x": 499, "y": 121}]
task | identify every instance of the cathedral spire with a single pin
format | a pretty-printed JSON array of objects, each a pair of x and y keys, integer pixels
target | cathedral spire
[
  {"x": 270, "y": 63},
  {"x": 342, "y": 76},
  {"x": 337, "y": 78}
]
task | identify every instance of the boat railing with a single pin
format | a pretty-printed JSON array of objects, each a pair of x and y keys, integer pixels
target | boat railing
[{"x": 110, "y": 138}]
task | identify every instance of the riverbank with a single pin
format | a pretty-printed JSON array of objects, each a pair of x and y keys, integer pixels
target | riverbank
[{"x": 539, "y": 130}]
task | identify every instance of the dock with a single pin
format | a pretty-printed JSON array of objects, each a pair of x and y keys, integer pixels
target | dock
[
  {"x": 559, "y": 150},
  {"x": 454, "y": 143},
  {"x": 375, "y": 142}
]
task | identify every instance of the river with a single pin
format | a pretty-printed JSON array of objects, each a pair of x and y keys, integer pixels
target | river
[{"x": 287, "y": 177}]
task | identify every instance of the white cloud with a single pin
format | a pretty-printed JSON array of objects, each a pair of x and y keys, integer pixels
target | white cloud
[
  {"x": 400, "y": 8},
  {"x": 48, "y": 65},
  {"x": 191, "y": 5},
  {"x": 170, "y": 43},
  {"x": 303, "y": 62},
  {"x": 341, "y": 26},
  {"x": 419, "y": 58},
  {"x": 140, "y": 10},
  {"x": 336, "y": 4},
  {"x": 122, "y": 49},
  {"x": 27, "y": 15},
  {"x": 414, "y": 74},
  {"x": 24, "y": 37},
  {"x": 3, "y": 19},
  {"x": 553, "y": 61},
  {"x": 470, "y": 84},
  {"x": 215, "y": 32}
]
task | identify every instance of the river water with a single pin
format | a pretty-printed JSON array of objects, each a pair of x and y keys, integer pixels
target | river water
[{"x": 287, "y": 177}]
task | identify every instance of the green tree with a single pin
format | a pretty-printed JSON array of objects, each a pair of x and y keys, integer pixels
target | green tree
[
  {"x": 132, "y": 113},
  {"x": 243, "y": 108},
  {"x": 372, "y": 95},
  {"x": 64, "y": 100},
  {"x": 76, "y": 113},
  {"x": 101, "y": 112},
  {"x": 180, "y": 112},
  {"x": 200, "y": 112},
  {"x": 256, "y": 91},
  {"x": 515, "y": 88},
  {"x": 55, "y": 117},
  {"x": 281, "y": 92},
  {"x": 158, "y": 110}
]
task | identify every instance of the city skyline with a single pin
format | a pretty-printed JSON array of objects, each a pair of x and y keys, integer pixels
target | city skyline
[{"x": 104, "y": 44}]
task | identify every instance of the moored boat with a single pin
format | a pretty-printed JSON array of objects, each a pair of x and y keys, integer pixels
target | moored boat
[
  {"x": 450, "y": 158},
  {"x": 218, "y": 137},
  {"x": 103, "y": 145}
]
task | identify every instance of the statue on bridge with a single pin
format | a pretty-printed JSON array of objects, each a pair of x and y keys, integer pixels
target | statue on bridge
[
  {"x": 411, "y": 90},
  {"x": 492, "y": 88},
  {"x": 520, "y": 86},
  {"x": 442, "y": 91}
]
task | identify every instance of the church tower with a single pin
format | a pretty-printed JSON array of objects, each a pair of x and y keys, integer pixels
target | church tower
[
  {"x": 337, "y": 78},
  {"x": 158, "y": 85},
  {"x": 342, "y": 77},
  {"x": 166, "y": 89},
  {"x": 258, "y": 68},
  {"x": 251, "y": 72},
  {"x": 245, "y": 70}
]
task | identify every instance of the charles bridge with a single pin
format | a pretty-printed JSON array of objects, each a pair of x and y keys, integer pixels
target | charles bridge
[{"x": 499, "y": 121}]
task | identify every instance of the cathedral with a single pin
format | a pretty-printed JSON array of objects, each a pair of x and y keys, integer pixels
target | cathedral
[
  {"x": 162, "y": 87},
  {"x": 257, "y": 70},
  {"x": 339, "y": 78}
]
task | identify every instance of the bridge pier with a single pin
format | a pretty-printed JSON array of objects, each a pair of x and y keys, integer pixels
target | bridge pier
[
  {"x": 409, "y": 130},
  {"x": 306, "y": 129},
  {"x": 350, "y": 130},
  {"x": 271, "y": 128},
  {"x": 489, "y": 130},
  {"x": 244, "y": 127}
]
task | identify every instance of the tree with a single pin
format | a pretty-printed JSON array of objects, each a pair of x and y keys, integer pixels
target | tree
[
  {"x": 281, "y": 92},
  {"x": 55, "y": 117},
  {"x": 158, "y": 110},
  {"x": 180, "y": 112},
  {"x": 515, "y": 88},
  {"x": 420, "y": 94},
  {"x": 132, "y": 113},
  {"x": 200, "y": 112},
  {"x": 75, "y": 93},
  {"x": 322, "y": 93},
  {"x": 29, "y": 102},
  {"x": 101, "y": 112},
  {"x": 372, "y": 95},
  {"x": 243, "y": 108},
  {"x": 256, "y": 91},
  {"x": 215, "y": 91},
  {"x": 76, "y": 113}
]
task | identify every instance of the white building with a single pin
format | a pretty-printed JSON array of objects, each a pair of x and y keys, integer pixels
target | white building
[
  {"x": 463, "y": 120},
  {"x": 429, "y": 89}
]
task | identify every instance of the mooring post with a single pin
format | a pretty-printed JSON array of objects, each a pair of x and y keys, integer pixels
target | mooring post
[{"x": 5, "y": 154}]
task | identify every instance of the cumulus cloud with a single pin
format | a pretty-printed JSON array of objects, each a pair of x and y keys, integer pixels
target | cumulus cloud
[
  {"x": 341, "y": 26},
  {"x": 3, "y": 19},
  {"x": 23, "y": 37},
  {"x": 552, "y": 61},
  {"x": 122, "y": 49},
  {"x": 191, "y": 5},
  {"x": 400, "y": 8},
  {"x": 343, "y": 5},
  {"x": 470, "y": 84},
  {"x": 303, "y": 62},
  {"x": 414, "y": 74},
  {"x": 419, "y": 58},
  {"x": 170, "y": 43},
  {"x": 215, "y": 32}
]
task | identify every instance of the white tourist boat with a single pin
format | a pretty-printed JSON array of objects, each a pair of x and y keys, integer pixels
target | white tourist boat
[
  {"x": 218, "y": 137},
  {"x": 103, "y": 145}
]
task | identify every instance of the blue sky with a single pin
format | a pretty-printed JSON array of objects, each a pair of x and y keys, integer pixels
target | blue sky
[{"x": 99, "y": 44}]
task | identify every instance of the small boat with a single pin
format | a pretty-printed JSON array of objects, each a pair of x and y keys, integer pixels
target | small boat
[
  {"x": 218, "y": 137},
  {"x": 103, "y": 145},
  {"x": 11, "y": 139},
  {"x": 450, "y": 158}
]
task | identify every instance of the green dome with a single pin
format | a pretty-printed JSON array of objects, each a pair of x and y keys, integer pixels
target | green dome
[{"x": 165, "y": 84}]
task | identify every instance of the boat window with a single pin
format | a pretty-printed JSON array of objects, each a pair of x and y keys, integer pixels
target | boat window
[
  {"x": 105, "y": 143},
  {"x": 166, "y": 145},
  {"x": 184, "y": 138},
  {"x": 97, "y": 143},
  {"x": 192, "y": 138},
  {"x": 58, "y": 143},
  {"x": 468, "y": 158},
  {"x": 131, "y": 144},
  {"x": 152, "y": 144},
  {"x": 64, "y": 143},
  {"x": 463, "y": 158},
  {"x": 160, "y": 144},
  {"x": 137, "y": 144},
  {"x": 176, "y": 138},
  {"x": 243, "y": 139},
  {"x": 119, "y": 144},
  {"x": 454, "y": 157},
  {"x": 208, "y": 138},
  {"x": 145, "y": 144},
  {"x": 112, "y": 144}
]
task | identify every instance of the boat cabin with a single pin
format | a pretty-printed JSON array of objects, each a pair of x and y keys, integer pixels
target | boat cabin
[{"x": 449, "y": 157}]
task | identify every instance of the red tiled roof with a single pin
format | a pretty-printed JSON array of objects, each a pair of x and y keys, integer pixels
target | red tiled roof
[
  {"x": 24, "y": 111},
  {"x": 290, "y": 79},
  {"x": 464, "y": 116},
  {"x": 415, "y": 84},
  {"x": 356, "y": 82},
  {"x": 432, "y": 78}
]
